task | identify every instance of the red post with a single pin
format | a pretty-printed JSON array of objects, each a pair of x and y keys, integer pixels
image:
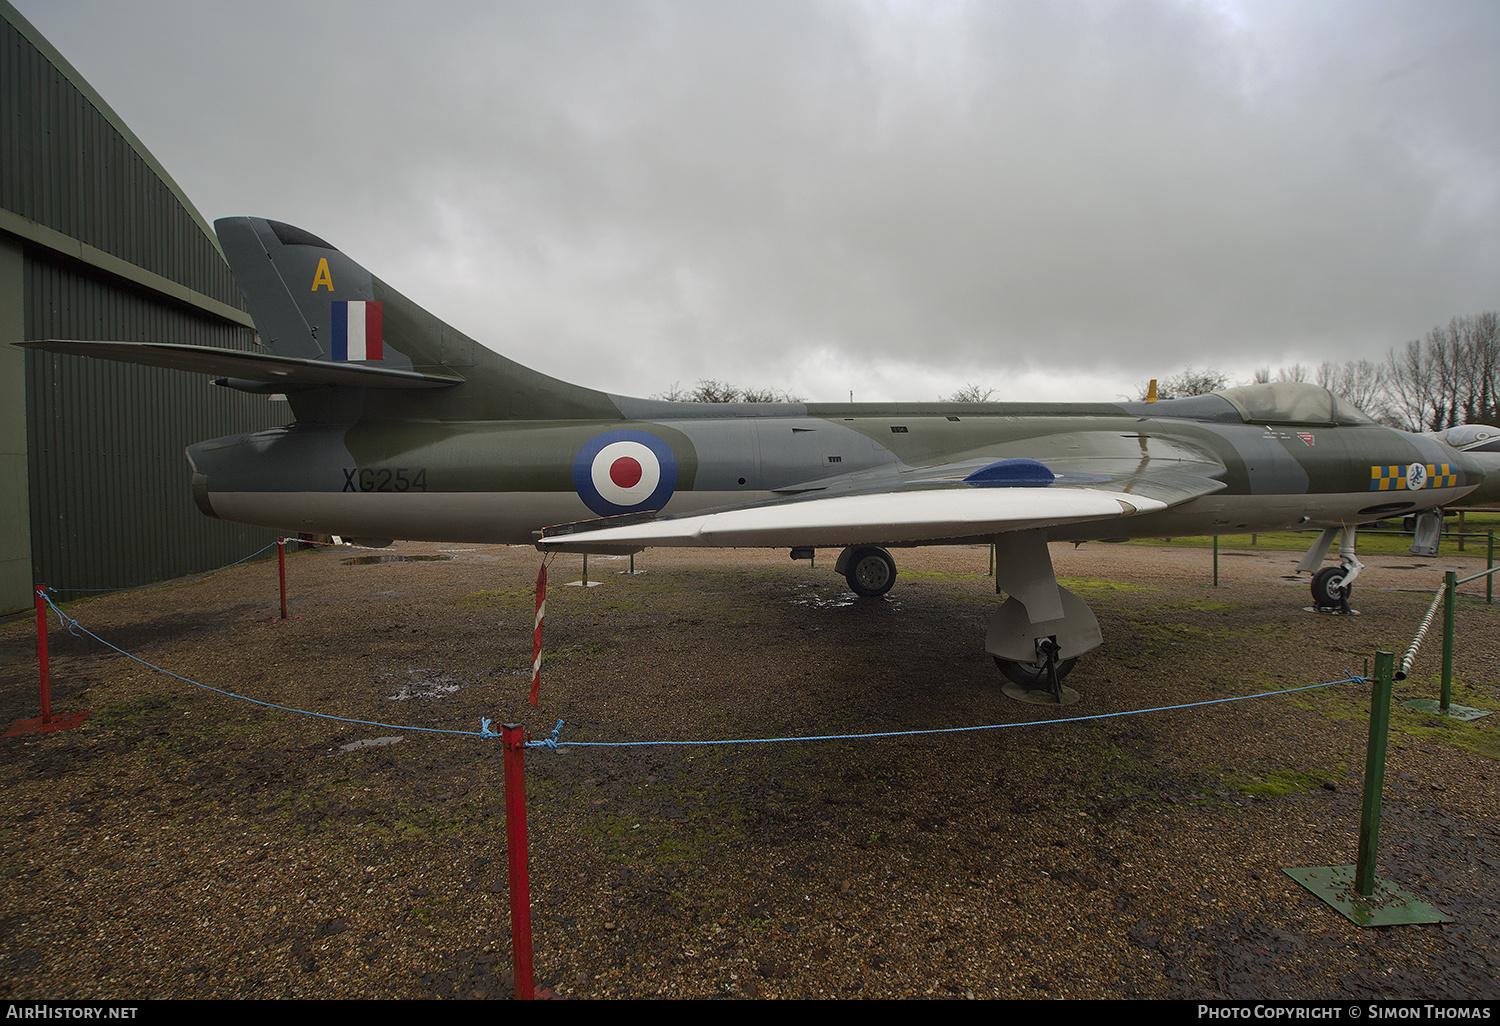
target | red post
[
  {"x": 44, "y": 722},
  {"x": 281, "y": 563},
  {"x": 514, "y": 739},
  {"x": 41, "y": 651}
]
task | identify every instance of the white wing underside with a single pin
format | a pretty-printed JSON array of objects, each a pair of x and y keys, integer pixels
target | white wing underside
[{"x": 888, "y": 518}]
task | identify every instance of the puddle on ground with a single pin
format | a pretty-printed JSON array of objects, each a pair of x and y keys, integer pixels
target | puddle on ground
[
  {"x": 392, "y": 557},
  {"x": 369, "y": 742},
  {"x": 809, "y": 595},
  {"x": 423, "y": 685}
]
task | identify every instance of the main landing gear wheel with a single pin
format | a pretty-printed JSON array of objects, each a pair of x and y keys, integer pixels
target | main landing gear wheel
[
  {"x": 1032, "y": 684},
  {"x": 1329, "y": 590},
  {"x": 1034, "y": 675},
  {"x": 870, "y": 571}
]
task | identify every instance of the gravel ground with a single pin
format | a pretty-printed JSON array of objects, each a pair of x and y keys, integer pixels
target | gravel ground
[{"x": 184, "y": 844}]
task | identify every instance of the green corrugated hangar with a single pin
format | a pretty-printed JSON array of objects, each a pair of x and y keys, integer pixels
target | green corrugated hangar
[{"x": 98, "y": 242}]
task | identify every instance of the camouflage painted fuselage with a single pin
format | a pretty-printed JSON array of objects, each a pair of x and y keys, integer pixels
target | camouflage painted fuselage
[{"x": 506, "y": 480}]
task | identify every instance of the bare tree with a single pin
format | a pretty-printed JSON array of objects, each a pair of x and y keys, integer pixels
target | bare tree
[
  {"x": 1360, "y": 382},
  {"x": 769, "y": 395},
  {"x": 710, "y": 390},
  {"x": 1449, "y": 376},
  {"x": 972, "y": 393},
  {"x": 675, "y": 394},
  {"x": 1476, "y": 341},
  {"x": 1189, "y": 382}
]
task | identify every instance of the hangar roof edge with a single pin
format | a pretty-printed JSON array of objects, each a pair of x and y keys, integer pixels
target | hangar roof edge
[{"x": 14, "y": 17}]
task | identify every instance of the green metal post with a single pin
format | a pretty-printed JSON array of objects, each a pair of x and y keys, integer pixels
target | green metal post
[
  {"x": 1450, "y": 599},
  {"x": 992, "y": 559},
  {"x": 1489, "y": 581},
  {"x": 1369, "y": 819},
  {"x": 1216, "y": 561}
]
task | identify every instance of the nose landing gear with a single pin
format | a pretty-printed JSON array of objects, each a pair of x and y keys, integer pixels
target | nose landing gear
[{"x": 1332, "y": 585}]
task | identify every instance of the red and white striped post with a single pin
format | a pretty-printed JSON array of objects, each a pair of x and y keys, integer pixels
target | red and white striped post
[{"x": 536, "y": 635}]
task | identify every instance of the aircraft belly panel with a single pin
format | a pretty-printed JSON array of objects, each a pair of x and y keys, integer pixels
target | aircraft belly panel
[{"x": 512, "y": 518}]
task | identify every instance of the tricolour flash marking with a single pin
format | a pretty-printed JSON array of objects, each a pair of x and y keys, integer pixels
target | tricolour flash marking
[{"x": 358, "y": 329}]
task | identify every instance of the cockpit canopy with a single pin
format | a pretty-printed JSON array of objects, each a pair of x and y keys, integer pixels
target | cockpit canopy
[{"x": 1291, "y": 402}]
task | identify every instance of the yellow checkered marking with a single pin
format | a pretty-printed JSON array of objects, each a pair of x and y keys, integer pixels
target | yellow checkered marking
[{"x": 1392, "y": 478}]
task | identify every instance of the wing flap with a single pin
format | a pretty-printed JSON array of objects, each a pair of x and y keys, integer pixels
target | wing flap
[{"x": 284, "y": 371}]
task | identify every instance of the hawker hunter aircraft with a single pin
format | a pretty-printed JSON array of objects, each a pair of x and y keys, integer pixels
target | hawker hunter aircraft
[{"x": 405, "y": 428}]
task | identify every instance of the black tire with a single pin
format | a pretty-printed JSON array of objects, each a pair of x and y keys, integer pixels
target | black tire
[
  {"x": 1034, "y": 675},
  {"x": 870, "y": 572},
  {"x": 1328, "y": 588}
]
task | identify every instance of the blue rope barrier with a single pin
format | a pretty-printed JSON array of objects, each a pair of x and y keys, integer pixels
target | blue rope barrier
[
  {"x": 163, "y": 584},
  {"x": 553, "y": 742},
  {"x": 75, "y": 628}
]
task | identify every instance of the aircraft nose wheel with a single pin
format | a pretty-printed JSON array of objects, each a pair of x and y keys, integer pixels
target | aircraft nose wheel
[
  {"x": 870, "y": 571},
  {"x": 1329, "y": 590}
]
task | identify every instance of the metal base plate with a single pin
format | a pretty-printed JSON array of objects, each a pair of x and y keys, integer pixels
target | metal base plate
[
  {"x": 1389, "y": 905},
  {"x": 66, "y": 721},
  {"x": 1041, "y": 696},
  {"x": 1457, "y": 712}
]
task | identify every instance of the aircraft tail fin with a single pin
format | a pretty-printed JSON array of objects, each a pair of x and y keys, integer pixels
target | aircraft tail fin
[{"x": 312, "y": 303}]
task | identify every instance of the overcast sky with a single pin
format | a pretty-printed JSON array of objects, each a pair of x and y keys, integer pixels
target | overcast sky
[{"x": 1057, "y": 200}]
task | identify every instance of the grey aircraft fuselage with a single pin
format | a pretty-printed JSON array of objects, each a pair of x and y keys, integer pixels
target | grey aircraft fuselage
[{"x": 505, "y": 481}]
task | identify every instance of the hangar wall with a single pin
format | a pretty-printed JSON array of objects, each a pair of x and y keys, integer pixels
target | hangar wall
[{"x": 98, "y": 242}]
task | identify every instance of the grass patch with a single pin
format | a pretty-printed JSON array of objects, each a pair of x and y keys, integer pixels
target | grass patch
[
  {"x": 1478, "y": 737},
  {"x": 1275, "y": 784},
  {"x": 1383, "y": 541},
  {"x": 1099, "y": 586},
  {"x": 1202, "y": 605},
  {"x": 505, "y": 598},
  {"x": 1474, "y": 736}
]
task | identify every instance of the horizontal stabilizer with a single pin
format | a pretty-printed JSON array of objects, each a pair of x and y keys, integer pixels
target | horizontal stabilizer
[{"x": 281, "y": 371}]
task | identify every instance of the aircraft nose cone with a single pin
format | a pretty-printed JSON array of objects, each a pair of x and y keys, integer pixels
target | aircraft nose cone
[{"x": 1483, "y": 467}]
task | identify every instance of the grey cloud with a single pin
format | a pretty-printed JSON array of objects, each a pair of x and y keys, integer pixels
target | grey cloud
[{"x": 667, "y": 191}]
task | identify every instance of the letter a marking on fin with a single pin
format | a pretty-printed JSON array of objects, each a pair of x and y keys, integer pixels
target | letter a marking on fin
[{"x": 323, "y": 276}]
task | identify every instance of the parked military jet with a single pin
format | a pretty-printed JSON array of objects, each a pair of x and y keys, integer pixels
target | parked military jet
[{"x": 405, "y": 428}]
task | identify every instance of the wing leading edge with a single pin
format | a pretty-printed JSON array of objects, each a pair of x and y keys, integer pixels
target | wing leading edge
[{"x": 964, "y": 506}]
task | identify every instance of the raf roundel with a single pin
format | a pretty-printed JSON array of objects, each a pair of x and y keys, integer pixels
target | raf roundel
[{"x": 625, "y": 472}]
